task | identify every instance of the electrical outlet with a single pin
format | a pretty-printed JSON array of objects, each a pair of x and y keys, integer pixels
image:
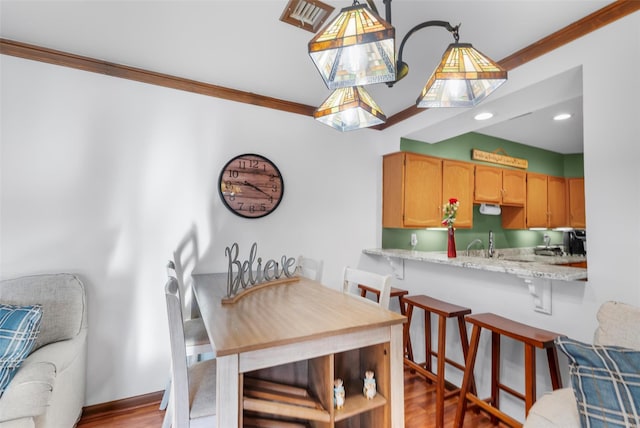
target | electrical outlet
[{"x": 414, "y": 239}]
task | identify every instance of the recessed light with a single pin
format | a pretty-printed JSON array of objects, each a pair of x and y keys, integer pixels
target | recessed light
[
  {"x": 562, "y": 116},
  {"x": 483, "y": 116}
]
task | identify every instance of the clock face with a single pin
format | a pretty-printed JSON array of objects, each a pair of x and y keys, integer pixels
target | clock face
[{"x": 251, "y": 186}]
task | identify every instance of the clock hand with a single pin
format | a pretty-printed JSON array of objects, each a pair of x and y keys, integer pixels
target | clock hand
[{"x": 257, "y": 188}]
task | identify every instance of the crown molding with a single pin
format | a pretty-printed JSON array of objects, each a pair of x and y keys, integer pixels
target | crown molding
[{"x": 586, "y": 25}]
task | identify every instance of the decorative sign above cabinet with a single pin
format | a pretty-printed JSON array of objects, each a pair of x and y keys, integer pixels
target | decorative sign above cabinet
[{"x": 499, "y": 157}]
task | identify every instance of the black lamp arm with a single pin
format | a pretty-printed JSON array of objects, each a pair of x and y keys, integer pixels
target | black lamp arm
[
  {"x": 402, "y": 69},
  {"x": 436, "y": 23}
]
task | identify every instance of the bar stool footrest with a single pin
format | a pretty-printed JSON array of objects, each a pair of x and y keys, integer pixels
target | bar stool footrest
[{"x": 488, "y": 408}]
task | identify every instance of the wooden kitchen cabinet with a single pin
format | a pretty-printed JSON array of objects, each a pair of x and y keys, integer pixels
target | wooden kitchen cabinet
[
  {"x": 546, "y": 201},
  {"x": 411, "y": 190},
  {"x": 536, "y": 200},
  {"x": 577, "y": 212},
  {"x": 458, "y": 182},
  {"x": 557, "y": 201},
  {"x": 514, "y": 185},
  {"x": 499, "y": 186}
]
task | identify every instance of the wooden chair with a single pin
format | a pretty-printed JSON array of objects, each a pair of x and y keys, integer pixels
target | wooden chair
[
  {"x": 443, "y": 311},
  {"x": 310, "y": 268},
  {"x": 381, "y": 283},
  {"x": 193, "y": 386}
]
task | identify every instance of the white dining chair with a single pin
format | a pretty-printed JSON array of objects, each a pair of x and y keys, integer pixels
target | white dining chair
[
  {"x": 197, "y": 344},
  {"x": 193, "y": 386},
  {"x": 382, "y": 283},
  {"x": 196, "y": 338},
  {"x": 310, "y": 268}
]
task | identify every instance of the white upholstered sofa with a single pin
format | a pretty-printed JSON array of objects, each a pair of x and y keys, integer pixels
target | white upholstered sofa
[
  {"x": 618, "y": 325},
  {"x": 48, "y": 390}
]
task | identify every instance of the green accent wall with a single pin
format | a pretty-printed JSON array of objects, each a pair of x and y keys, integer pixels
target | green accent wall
[
  {"x": 574, "y": 165},
  {"x": 459, "y": 148}
]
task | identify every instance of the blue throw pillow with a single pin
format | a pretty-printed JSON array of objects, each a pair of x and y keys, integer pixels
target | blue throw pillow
[
  {"x": 19, "y": 328},
  {"x": 606, "y": 383}
]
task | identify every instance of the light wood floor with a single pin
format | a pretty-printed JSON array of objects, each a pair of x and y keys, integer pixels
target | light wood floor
[{"x": 419, "y": 411}]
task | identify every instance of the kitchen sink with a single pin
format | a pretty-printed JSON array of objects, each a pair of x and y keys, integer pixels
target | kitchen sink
[{"x": 542, "y": 250}]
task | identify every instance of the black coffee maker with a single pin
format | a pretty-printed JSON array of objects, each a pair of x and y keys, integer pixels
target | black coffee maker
[{"x": 575, "y": 242}]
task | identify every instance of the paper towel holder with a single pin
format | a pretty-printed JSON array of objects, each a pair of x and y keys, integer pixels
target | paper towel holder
[{"x": 490, "y": 209}]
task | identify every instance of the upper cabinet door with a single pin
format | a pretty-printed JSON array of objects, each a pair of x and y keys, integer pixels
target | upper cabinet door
[
  {"x": 411, "y": 190},
  {"x": 536, "y": 200},
  {"x": 514, "y": 187},
  {"x": 488, "y": 185},
  {"x": 423, "y": 191},
  {"x": 393, "y": 190},
  {"x": 577, "y": 213},
  {"x": 557, "y": 201},
  {"x": 457, "y": 182}
]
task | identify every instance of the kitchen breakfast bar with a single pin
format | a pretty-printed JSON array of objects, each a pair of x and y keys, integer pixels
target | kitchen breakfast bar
[{"x": 536, "y": 271}]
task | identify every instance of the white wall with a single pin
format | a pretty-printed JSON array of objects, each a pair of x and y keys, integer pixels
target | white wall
[{"x": 102, "y": 177}]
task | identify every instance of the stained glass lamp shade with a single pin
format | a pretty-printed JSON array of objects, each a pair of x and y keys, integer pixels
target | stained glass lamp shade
[
  {"x": 463, "y": 79},
  {"x": 356, "y": 48},
  {"x": 349, "y": 108}
]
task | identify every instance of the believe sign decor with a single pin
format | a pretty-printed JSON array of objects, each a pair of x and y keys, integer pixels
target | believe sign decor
[{"x": 243, "y": 275}]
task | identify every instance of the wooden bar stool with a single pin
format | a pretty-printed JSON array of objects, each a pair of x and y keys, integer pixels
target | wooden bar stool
[
  {"x": 532, "y": 338},
  {"x": 395, "y": 292},
  {"x": 444, "y": 311}
]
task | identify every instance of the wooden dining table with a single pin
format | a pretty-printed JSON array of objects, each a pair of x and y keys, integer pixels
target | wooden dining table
[{"x": 303, "y": 320}]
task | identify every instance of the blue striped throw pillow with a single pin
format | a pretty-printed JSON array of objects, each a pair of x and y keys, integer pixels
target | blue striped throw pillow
[
  {"x": 606, "y": 383},
  {"x": 19, "y": 328}
]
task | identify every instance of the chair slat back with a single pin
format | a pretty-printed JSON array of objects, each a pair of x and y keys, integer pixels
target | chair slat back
[
  {"x": 382, "y": 283},
  {"x": 185, "y": 258},
  {"x": 310, "y": 268}
]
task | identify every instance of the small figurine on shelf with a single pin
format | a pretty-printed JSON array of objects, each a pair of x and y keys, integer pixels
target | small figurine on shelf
[
  {"x": 369, "y": 389},
  {"x": 338, "y": 393}
]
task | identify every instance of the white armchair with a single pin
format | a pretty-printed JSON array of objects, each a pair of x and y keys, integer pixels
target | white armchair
[{"x": 48, "y": 390}]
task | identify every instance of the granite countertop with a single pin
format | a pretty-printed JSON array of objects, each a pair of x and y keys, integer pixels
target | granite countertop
[{"x": 515, "y": 261}]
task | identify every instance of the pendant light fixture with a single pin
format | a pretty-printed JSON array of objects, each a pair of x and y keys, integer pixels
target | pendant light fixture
[
  {"x": 349, "y": 108},
  {"x": 463, "y": 78},
  {"x": 355, "y": 48}
]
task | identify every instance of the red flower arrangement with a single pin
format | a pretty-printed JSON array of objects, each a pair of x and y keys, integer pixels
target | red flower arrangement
[{"x": 450, "y": 210}]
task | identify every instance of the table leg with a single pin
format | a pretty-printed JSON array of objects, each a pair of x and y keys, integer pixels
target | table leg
[
  {"x": 228, "y": 406},
  {"x": 397, "y": 377}
]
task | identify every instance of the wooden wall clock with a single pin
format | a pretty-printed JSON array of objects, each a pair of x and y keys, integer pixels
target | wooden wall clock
[{"x": 251, "y": 186}]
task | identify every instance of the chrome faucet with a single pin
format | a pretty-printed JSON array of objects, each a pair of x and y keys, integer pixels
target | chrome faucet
[
  {"x": 475, "y": 241},
  {"x": 491, "y": 249}
]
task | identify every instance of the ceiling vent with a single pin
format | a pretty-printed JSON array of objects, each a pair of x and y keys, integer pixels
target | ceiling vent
[{"x": 306, "y": 14}]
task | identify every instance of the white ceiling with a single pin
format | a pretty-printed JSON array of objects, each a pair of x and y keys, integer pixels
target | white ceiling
[{"x": 242, "y": 44}]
